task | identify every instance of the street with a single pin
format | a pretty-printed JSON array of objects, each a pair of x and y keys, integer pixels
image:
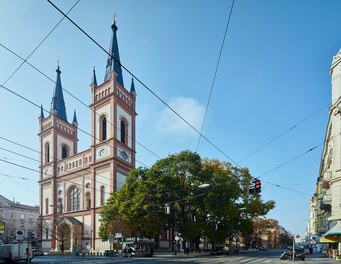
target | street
[{"x": 264, "y": 257}]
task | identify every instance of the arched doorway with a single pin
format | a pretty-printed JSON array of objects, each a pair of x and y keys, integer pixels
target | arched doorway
[{"x": 69, "y": 234}]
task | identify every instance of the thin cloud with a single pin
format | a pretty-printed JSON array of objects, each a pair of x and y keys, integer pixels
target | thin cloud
[{"x": 170, "y": 124}]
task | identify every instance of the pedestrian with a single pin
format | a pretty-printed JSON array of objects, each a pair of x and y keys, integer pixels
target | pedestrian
[
  {"x": 187, "y": 250},
  {"x": 130, "y": 251},
  {"x": 310, "y": 249}
]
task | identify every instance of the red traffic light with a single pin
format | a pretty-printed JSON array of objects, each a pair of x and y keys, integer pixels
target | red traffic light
[{"x": 257, "y": 186}]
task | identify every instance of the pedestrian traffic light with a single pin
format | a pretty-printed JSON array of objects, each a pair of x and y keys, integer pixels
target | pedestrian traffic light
[{"x": 257, "y": 186}]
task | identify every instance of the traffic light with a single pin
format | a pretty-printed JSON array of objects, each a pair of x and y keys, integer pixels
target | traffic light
[{"x": 257, "y": 186}]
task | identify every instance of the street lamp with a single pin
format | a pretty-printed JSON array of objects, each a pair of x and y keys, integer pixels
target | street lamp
[{"x": 177, "y": 236}]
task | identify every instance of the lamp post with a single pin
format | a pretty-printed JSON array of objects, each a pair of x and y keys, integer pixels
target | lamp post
[{"x": 177, "y": 236}]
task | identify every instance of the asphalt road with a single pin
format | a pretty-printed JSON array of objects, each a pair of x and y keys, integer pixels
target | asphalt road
[{"x": 263, "y": 257}]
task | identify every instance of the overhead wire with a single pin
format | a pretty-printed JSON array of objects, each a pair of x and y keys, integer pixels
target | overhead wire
[
  {"x": 37, "y": 47},
  {"x": 77, "y": 174},
  {"x": 291, "y": 160},
  {"x": 134, "y": 77},
  {"x": 283, "y": 133},
  {"x": 85, "y": 132},
  {"x": 215, "y": 74},
  {"x": 144, "y": 85},
  {"x": 277, "y": 167},
  {"x": 69, "y": 93}
]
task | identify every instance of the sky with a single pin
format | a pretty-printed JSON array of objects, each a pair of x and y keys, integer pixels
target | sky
[{"x": 270, "y": 91}]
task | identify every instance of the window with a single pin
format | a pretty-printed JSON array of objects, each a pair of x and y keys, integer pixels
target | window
[
  {"x": 102, "y": 201},
  {"x": 22, "y": 216},
  {"x": 47, "y": 153},
  {"x": 65, "y": 152},
  {"x": 46, "y": 206},
  {"x": 103, "y": 128},
  {"x": 12, "y": 215},
  {"x": 74, "y": 199},
  {"x": 123, "y": 131}
]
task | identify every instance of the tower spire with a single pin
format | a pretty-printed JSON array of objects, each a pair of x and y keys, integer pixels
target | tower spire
[
  {"x": 114, "y": 64},
  {"x": 132, "y": 86},
  {"x": 74, "y": 118},
  {"x": 94, "y": 79},
  {"x": 57, "y": 103},
  {"x": 41, "y": 112}
]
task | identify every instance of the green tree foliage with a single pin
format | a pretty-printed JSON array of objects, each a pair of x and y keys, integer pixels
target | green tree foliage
[{"x": 218, "y": 212}]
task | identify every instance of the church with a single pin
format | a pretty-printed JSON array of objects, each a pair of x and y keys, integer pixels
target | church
[{"x": 75, "y": 185}]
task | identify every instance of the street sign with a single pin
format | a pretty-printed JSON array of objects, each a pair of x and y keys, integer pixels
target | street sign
[
  {"x": 118, "y": 235},
  {"x": 111, "y": 238},
  {"x": 19, "y": 235}
]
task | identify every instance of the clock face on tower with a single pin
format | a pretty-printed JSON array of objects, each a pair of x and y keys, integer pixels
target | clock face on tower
[
  {"x": 102, "y": 152},
  {"x": 124, "y": 155}
]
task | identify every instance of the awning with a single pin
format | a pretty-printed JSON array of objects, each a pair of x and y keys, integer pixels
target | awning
[
  {"x": 333, "y": 235},
  {"x": 329, "y": 239},
  {"x": 335, "y": 230}
]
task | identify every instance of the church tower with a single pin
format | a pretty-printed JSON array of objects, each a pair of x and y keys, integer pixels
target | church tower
[{"x": 75, "y": 185}]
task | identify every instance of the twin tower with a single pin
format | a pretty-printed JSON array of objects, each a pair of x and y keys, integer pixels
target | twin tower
[{"x": 75, "y": 185}]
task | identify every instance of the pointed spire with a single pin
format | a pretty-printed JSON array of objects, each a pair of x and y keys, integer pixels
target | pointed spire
[
  {"x": 132, "y": 86},
  {"x": 114, "y": 64},
  {"x": 41, "y": 112},
  {"x": 74, "y": 121},
  {"x": 94, "y": 79},
  {"x": 58, "y": 103}
]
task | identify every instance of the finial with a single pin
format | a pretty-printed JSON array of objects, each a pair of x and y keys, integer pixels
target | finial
[
  {"x": 58, "y": 67},
  {"x": 114, "y": 19}
]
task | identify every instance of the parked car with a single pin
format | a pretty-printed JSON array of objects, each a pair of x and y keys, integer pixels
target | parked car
[
  {"x": 262, "y": 248},
  {"x": 219, "y": 250}
]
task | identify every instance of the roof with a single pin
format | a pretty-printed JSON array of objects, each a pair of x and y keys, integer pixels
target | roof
[
  {"x": 113, "y": 62},
  {"x": 58, "y": 103}
]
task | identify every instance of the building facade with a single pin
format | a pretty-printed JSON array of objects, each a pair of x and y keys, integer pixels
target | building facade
[
  {"x": 75, "y": 185},
  {"x": 15, "y": 216},
  {"x": 325, "y": 206}
]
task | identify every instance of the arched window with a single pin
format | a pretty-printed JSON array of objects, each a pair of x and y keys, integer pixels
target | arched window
[
  {"x": 47, "y": 153},
  {"x": 65, "y": 152},
  {"x": 74, "y": 199},
  {"x": 123, "y": 128},
  {"x": 102, "y": 201},
  {"x": 103, "y": 128}
]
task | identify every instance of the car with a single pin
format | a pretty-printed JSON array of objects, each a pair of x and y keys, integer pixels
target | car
[
  {"x": 262, "y": 248},
  {"x": 218, "y": 250}
]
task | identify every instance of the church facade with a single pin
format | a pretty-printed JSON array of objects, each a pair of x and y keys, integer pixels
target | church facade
[{"x": 75, "y": 185}]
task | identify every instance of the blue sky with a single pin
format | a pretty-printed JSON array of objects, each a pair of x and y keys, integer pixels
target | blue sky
[{"x": 273, "y": 75}]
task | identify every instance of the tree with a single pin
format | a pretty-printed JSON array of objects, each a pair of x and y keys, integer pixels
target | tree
[
  {"x": 235, "y": 209},
  {"x": 285, "y": 238},
  {"x": 218, "y": 213}
]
